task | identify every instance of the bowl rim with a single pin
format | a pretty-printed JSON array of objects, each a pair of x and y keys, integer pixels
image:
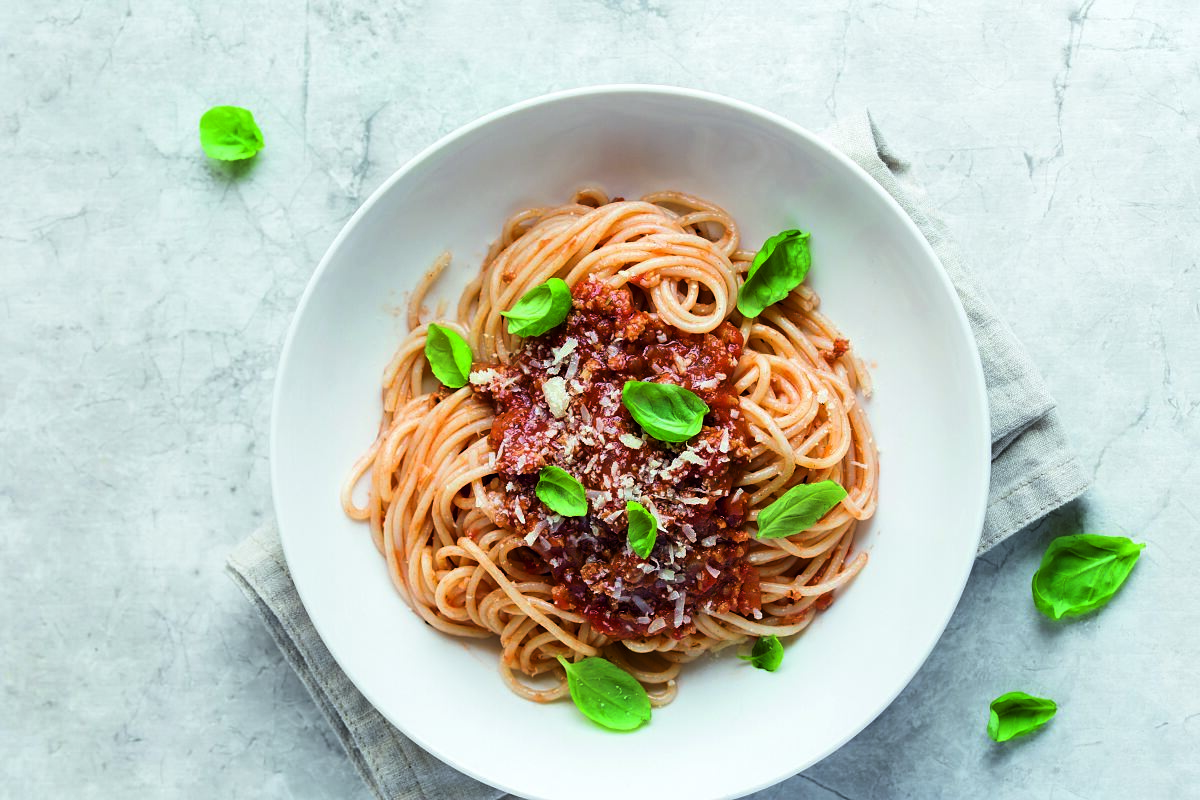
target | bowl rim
[{"x": 660, "y": 90}]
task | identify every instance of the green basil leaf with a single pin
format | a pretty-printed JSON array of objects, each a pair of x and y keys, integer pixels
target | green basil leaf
[
  {"x": 798, "y": 509},
  {"x": 1018, "y": 714},
  {"x": 562, "y": 493},
  {"x": 449, "y": 355},
  {"x": 607, "y": 694},
  {"x": 667, "y": 412},
  {"x": 1081, "y": 573},
  {"x": 229, "y": 133},
  {"x": 643, "y": 528},
  {"x": 767, "y": 653},
  {"x": 779, "y": 267},
  {"x": 543, "y": 307}
]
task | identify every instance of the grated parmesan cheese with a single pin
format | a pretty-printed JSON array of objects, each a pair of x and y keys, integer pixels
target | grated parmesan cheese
[
  {"x": 555, "y": 390},
  {"x": 631, "y": 441},
  {"x": 483, "y": 376},
  {"x": 567, "y": 348}
]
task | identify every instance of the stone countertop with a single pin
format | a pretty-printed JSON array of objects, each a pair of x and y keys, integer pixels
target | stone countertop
[{"x": 144, "y": 293}]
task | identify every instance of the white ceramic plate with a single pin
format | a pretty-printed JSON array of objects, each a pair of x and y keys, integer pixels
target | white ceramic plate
[{"x": 732, "y": 729}]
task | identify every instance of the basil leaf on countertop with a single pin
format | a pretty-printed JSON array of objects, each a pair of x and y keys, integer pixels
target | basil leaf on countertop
[
  {"x": 540, "y": 309},
  {"x": 229, "y": 133},
  {"x": 667, "y": 412},
  {"x": 767, "y": 653},
  {"x": 798, "y": 509},
  {"x": 1018, "y": 714},
  {"x": 607, "y": 694},
  {"x": 779, "y": 267},
  {"x": 449, "y": 355},
  {"x": 643, "y": 528},
  {"x": 562, "y": 493},
  {"x": 1081, "y": 573}
]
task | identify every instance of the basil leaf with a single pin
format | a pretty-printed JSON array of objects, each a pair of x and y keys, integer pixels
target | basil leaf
[
  {"x": 1018, "y": 714},
  {"x": 667, "y": 412},
  {"x": 643, "y": 528},
  {"x": 1081, "y": 573},
  {"x": 779, "y": 267},
  {"x": 607, "y": 694},
  {"x": 229, "y": 133},
  {"x": 767, "y": 653},
  {"x": 798, "y": 509},
  {"x": 562, "y": 493},
  {"x": 449, "y": 356},
  {"x": 543, "y": 307}
]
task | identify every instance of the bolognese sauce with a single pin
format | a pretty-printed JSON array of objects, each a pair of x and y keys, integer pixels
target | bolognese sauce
[{"x": 559, "y": 403}]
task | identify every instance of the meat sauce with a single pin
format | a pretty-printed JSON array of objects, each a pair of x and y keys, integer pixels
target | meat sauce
[{"x": 559, "y": 403}]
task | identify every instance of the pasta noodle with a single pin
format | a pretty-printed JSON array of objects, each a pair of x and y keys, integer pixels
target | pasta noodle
[{"x": 431, "y": 479}]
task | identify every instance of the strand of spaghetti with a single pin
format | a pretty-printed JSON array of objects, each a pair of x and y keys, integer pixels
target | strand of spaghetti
[
  {"x": 522, "y": 602},
  {"x": 529, "y": 693},
  {"x": 422, "y": 289},
  {"x": 751, "y": 628},
  {"x": 360, "y": 468},
  {"x": 512, "y": 636},
  {"x": 728, "y": 243},
  {"x": 846, "y": 573}
]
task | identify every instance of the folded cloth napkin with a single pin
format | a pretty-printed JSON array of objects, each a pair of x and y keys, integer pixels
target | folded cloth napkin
[{"x": 1034, "y": 472}]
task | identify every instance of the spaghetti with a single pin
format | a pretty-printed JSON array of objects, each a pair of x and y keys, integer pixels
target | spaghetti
[{"x": 654, "y": 282}]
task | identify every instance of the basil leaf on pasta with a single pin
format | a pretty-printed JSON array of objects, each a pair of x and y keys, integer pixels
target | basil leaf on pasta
[
  {"x": 606, "y": 694},
  {"x": 561, "y": 493},
  {"x": 449, "y": 356},
  {"x": 798, "y": 509},
  {"x": 540, "y": 309},
  {"x": 643, "y": 528},
  {"x": 229, "y": 133},
  {"x": 1018, "y": 714},
  {"x": 667, "y": 412},
  {"x": 767, "y": 653},
  {"x": 779, "y": 267},
  {"x": 1081, "y": 573}
]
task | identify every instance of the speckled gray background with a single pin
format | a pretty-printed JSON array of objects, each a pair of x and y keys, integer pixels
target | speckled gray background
[{"x": 144, "y": 293}]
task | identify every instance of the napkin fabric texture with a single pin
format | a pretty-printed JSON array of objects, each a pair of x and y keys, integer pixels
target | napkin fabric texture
[{"x": 1034, "y": 471}]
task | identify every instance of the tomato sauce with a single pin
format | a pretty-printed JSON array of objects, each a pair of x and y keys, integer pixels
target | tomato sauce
[{"x": 559, "y": 403}]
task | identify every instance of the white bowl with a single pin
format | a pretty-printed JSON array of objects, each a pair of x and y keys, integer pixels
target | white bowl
[{"x": 732, "y": 729}]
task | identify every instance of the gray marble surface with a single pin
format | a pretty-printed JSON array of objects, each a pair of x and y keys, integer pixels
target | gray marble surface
[{"x": 144, "y": 293}]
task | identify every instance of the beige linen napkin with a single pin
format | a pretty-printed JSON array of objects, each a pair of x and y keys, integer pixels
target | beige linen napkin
[{"x": 1034, "y": 471}]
